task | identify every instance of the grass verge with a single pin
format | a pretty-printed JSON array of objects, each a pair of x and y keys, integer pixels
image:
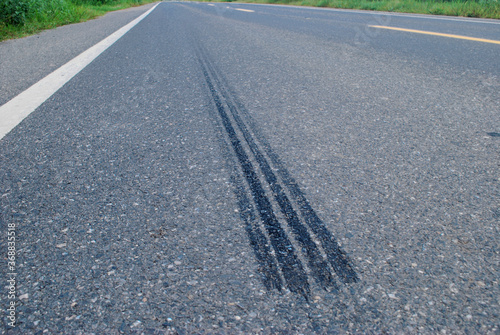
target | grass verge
[
  {"x": 19, "y": 18},
  {"x": 467, "y": 8}
]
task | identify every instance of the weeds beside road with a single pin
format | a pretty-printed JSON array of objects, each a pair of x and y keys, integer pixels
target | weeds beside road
[{"x": 20, "y": 18}]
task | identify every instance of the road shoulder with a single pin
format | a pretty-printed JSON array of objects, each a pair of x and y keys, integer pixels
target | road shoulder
[{"x": 27, "y": 60}]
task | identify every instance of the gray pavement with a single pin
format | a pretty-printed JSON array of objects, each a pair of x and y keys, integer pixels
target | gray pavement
[
  {"x": 273, "y": 170},
  {"x": 25, "y": 61}
]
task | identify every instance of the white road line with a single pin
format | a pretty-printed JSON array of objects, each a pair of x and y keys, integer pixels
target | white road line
[
  {"x": 245, "y": 10},
  {"x": 17, "y": 109}
]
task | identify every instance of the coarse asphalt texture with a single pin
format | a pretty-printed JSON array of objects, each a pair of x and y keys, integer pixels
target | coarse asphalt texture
[
  {"x": 25, "y": 61},
  {"x": 232, "y": 168}
]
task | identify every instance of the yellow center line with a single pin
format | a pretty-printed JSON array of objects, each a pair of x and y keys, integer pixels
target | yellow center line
[
  {"x": 439, "y": 34},
  {"x": 245, "y": 10}
]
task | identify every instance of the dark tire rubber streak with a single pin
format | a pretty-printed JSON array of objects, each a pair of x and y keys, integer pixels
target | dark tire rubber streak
[
  {"x": 336, "y": 256},
  {"x": 267, "y": 263},
  {"x": 268, "y": 266},
  {"x": 291, "y": 267},
  {"x": 318, "y": 266}
]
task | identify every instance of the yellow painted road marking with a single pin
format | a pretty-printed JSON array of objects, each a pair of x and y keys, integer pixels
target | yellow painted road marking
[
  {"x": 245, "y": 10},
  {"x": 439, "y": 34}
]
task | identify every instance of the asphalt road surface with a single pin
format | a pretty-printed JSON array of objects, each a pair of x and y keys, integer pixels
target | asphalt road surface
[{"x": 231, "y": 168}]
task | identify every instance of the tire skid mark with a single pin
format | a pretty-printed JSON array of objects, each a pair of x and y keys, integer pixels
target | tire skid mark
[
  {"x": 267, "y": 264},
  {"x": 336, "y": 256},
  {"x": 292, "y": 269},
  {"x": 290, "y": 265},
  {"x": 317, "y": 265}
]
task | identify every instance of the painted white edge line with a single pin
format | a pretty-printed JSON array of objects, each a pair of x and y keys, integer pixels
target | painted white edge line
[{"x": 17, "y": 109}]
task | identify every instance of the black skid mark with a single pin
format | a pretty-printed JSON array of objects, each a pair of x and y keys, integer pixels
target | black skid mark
[{"x": 246, "y": 141}]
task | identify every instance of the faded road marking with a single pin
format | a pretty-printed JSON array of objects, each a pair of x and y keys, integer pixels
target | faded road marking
[
  {"x": 245, "y": 10},
  {"x": 439, "y": 34}
]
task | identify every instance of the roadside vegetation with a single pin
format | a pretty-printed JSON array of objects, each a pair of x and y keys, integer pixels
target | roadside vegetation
[
  {"x": 467, "y": 8},
  {"x": 20, "y": 18}
]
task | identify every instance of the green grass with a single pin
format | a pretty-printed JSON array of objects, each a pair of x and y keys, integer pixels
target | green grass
[
  {"x": 467, "y": 8},
  {"x": 19, "y": 18}
]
